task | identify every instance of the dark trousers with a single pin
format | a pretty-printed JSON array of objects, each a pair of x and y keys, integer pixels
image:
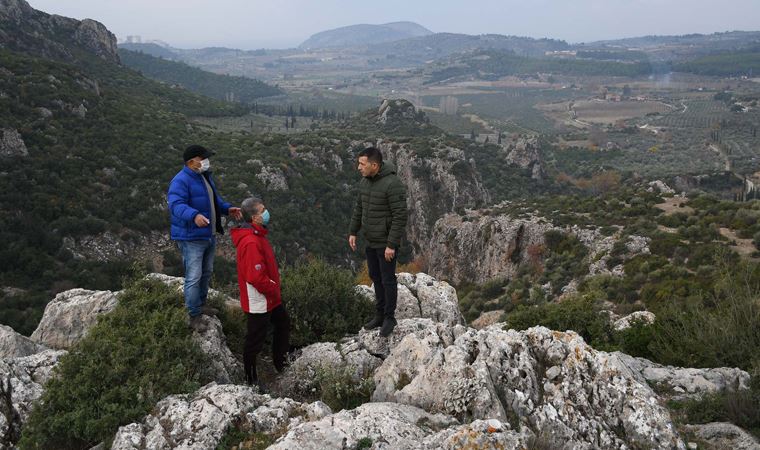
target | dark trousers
[
  {"x": 258, "y": 325},
  {"x": 383, "y": 275}
]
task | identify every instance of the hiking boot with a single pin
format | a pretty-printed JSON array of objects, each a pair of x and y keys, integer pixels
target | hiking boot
[
  {"x": 197, "y": 324},
  {"x": 209, "y": 310},
  {"x": 388, "y": 325},
  {"x": 374, "y": 323},
  {"x": 260, "y": 387}
]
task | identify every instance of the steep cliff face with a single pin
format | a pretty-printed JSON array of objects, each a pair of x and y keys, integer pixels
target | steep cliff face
[
  {"x": 524, "y": 152},
  {"x": 479, "y": 247},
  {"x": 25, "y": 29}
]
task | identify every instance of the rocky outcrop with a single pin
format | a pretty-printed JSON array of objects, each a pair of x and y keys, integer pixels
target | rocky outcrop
[
  {"x": 495, "y": 246},
  {"x": 720, "y": 435},
  {"x": 11, "y": 143},
  {"x": 199, "y": 421},
  {"x": 420, "y": 295},
  {"x": 641, "y": 317},
  {"x": 386, "y": 425},
  {"x": 550, "y": 382},
  {"x": 21, "y": 384},
  {"x": 24, "y": 29},
  {"x": 525, "y": 152},
  {"x": 70, "y": 314},
  {"x": 423, "y": 329},
  {"x": 273, "y": 178},
  {"x": 660, "y": 187},
  {"x": 301, "y": 377},
  {"x": 15, "y": 345},
  {"x": 108, "y": 245},
  {"x": 681, "y": 383},
  {"x": 225, "y": 368}
]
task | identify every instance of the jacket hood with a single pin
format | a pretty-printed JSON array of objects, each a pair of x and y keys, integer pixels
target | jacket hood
[
  {"x": 388, "y": 169},
  {"x": 239, "y": 234}
]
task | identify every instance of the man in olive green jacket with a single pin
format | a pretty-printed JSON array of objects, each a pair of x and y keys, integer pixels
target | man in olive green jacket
[{"x": 380, "y": 213}]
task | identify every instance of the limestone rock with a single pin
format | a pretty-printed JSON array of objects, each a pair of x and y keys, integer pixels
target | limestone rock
[
  {"x": 525, "y": 153},
  {"x": 225, "y": 368},
  {"x": 199, "y": 421},
  {"x": 15, "y": 345},
  {"x": 551, "y": 382},
  {"x": 721, "y": 435},
  {"x": 496, "y": 245},
  {"x": 387, "y": 425},
  {"x": 11, "y": 143},
  {"x": 423, "y": 296},
  {"x": 681, "y": 383},
  {"x": 70, "y": 314},
  {"x": 273, "y": 178},
  {"x": 626, "y": 322},
  {"x": 487, "y": 319},
  {"x": 300, "y": 377},
  {"x": 95, "y": 37},
  {"x": 23, "y": 378},
  {"x": 661, "y": 187},
  {"x": 423, "y": 329}
]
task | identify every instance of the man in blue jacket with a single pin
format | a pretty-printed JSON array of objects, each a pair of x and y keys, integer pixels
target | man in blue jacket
[{"x": 196, "y": 209}]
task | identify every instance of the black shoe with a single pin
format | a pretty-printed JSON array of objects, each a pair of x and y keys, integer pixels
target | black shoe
[
  {"x": 388, "y": 325},
  {"x": 374, "y": 323},
  {"x": 197, "y": 324},
  {"x": 209, "y": 310}
]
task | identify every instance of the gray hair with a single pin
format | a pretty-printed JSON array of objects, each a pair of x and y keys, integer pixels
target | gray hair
[{"x": 249, "y": 208}]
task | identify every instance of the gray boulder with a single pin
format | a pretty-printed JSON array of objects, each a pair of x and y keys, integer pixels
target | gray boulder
[
  {"x": 423, "y": 296},
  {"x": 11, "y": 143},
  {"x": 225, "y": 367},
  {"x": 681, "y": 383},
  {"x": 720, "y": 435},
  {"x": 70, "y": 314},
  {"x": 300, "y": 378},
  {"x": 423, "y": 329},
  {"x": 200, "y": 420},
  {"x": 387, "y": 425},
  {"x": 548, "y": 381},
  {"x": 14, "y": 345}
]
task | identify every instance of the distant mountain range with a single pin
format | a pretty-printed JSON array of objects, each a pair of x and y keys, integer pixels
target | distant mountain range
[{"x": 365, "y": 34}]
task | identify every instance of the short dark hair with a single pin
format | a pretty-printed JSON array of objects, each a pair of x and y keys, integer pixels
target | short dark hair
[{"x": 373, "y": 155}]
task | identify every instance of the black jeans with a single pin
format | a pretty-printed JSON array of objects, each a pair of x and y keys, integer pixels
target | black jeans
[
  {"x": 258, "y": 324},
  {"x": 383, "y": 275}
]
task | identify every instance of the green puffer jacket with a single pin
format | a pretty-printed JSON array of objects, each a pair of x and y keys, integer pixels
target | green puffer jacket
[{"x": 380, "y": 210}]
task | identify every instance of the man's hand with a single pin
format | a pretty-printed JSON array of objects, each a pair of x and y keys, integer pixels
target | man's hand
[
  {"x": 201, "y": 221},
  {"x": 389, "y": 254},
  {"x": 235, "y": 213},
  {"x": 352, "y": 242}
]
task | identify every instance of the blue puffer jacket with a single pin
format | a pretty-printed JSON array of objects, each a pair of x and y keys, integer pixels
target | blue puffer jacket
[{"x": 188, "y": 197}]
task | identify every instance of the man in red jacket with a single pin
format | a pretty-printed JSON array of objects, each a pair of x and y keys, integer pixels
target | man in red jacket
[{"x": 259, "y": 282}]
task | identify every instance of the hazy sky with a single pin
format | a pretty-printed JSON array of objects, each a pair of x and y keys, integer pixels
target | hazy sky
[{"x": 251, "y": 24}]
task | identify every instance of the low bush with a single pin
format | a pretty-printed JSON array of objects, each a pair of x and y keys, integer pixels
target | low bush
[
  {"x": 322, "y": 303},
  {"x": 132, "y": 358}
]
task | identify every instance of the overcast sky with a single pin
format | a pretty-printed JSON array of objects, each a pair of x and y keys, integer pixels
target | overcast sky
[{"x": 250, "y": 24}]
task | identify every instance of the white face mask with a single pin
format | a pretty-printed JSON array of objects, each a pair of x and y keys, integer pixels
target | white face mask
[{"x": 205, "y": 165}]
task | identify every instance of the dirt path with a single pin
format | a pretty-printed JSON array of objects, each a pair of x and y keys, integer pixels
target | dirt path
[
  {"x": 744, "y": 247},
  {"x": 718, "y": 150},
  {"x": 672, "y": 205}
]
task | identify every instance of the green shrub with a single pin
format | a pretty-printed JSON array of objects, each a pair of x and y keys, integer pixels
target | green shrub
[
  {"x": 128, "y": 361},
  {"x": 578, "y": 314},
  {"x": 339, "y": 388},
  {"x": 322, "y": 303},
  {"x": 635, "y": 340}
]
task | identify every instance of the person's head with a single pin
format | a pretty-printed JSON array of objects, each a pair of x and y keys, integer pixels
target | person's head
[
  {"x": 254, "y": 211},
  {"x": 370, "y": 161},
  {"x": 196, "y": 158}
]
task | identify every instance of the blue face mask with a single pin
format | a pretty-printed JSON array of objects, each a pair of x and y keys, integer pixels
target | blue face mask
[{"x": 265, "y": 217}]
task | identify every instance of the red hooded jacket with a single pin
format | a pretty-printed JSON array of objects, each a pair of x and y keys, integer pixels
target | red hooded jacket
[{"x": 258, "y": 275}]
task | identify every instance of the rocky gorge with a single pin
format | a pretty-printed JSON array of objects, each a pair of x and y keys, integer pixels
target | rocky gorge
[{"x": 437, "y": 384}]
